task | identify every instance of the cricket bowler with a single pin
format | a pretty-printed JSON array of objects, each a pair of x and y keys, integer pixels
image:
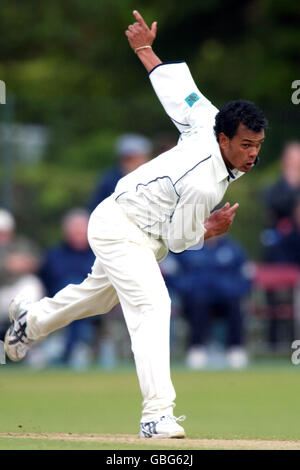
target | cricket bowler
[{"x": 165, "y": 204}]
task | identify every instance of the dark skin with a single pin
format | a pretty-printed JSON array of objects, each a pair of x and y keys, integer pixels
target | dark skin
[
  {"x": 241, "y": 150},
  {"x": 238, "y": 152}
]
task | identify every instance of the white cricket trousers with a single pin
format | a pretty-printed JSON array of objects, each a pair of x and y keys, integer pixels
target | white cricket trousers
[{"x": 125, "y": 271}]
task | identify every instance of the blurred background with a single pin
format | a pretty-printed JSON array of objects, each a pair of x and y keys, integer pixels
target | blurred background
[{"x": 80, "y": 113}]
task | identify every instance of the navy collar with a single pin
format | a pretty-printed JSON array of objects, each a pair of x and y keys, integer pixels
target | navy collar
[{"x": 230, "y": 174}]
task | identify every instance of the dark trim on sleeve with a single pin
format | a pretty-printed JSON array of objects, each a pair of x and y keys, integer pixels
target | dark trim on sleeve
[
  {"x": 177, "y": 122},
  {"x": 158, "y": 178},
  {"x": 120, "y": 195},
  {"x": 166, "y": 63}
]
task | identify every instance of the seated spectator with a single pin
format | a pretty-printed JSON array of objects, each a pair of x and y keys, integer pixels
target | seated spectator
[
  {"x": 280, "y": 239},
  {"x": 281, "y": 196},
  {"x": 19, "y": 262},
  {"x": 286, "y": 246},
  {"x": 67, "y": 263},
  {"x": 212, "y": 281},
  {"x": 132, "y": 150},
  {"x": 281, "y": 246}
]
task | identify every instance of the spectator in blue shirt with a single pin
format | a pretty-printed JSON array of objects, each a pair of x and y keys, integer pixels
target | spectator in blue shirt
[
  {"x": 68, "y": 263},
  {"x": 132, "y": 150}
]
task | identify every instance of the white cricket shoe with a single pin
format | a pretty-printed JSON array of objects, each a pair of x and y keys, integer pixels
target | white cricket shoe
[
  {"x": 16, "y": 343},
  {"x": 165, "y": 427}
]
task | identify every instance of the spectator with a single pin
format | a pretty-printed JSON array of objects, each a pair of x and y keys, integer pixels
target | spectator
[
  {"x": 286, "y": 249},
  {"x": 281, "y": 197},
  {"x": 68, "y": 263},
  {"x": 132, "y": 150},
  {"x": 19, "y": 262},
  {"x": 163, "y": 142},
  {"x": 281, "y": 246},
  {"x": 213, "y": 281}
]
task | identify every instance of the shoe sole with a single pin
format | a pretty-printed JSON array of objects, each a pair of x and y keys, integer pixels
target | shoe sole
[
  {"x": 176, "y": 435},
  {"x": 6, "y": 348}
]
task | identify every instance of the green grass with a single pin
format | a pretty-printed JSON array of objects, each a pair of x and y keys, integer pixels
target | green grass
[
  {"x": 42, "y": 444},
  {"x": 258, "y": 403}
]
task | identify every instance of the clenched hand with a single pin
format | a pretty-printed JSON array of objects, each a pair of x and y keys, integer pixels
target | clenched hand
[{"x": 220, "y": 220}]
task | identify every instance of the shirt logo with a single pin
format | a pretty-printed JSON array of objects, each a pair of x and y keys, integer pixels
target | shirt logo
[{"x": 191, "y": 99}]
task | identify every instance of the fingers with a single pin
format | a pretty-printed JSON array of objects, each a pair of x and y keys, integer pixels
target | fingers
[
  {"x": 139, "y": 18},
  {"x": 227, "y": 215},
  {"x": 154, "y": 28},
  {"x": 232, "y": 209},
  {"x": 129, "y": 32},
  {"x": 132, "y": 28}
]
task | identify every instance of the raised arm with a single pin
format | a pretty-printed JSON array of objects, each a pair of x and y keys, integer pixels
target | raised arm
[{"x": 172, "y": 82}]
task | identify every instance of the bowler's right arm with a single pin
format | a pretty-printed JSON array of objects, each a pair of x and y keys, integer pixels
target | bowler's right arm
[{"x": 172, "y": 82}]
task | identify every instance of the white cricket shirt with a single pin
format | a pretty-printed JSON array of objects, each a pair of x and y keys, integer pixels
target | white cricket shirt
[{"x": 171, "y": 195}]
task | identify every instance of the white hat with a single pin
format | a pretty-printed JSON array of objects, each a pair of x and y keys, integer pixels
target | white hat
[
  {"x": 7, "y": 221},
  {"x": 129, "y": 144}
]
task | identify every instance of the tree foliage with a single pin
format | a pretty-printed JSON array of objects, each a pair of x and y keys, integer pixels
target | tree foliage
[{"x": 68, "y": 65}]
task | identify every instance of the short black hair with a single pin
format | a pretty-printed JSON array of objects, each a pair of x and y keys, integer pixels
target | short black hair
[{"x": 236, "y": 112}]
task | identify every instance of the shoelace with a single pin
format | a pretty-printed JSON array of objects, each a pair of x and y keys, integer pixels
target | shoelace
[
  {"x": 181, "y": 418},
  {"x": 19, "y": 334}
]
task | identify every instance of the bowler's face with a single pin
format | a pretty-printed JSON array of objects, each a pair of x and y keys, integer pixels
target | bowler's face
[{"x": 241, "y": 151}]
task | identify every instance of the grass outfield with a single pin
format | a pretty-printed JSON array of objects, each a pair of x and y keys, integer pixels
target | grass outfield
[{"x": 61, "y": 409}]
